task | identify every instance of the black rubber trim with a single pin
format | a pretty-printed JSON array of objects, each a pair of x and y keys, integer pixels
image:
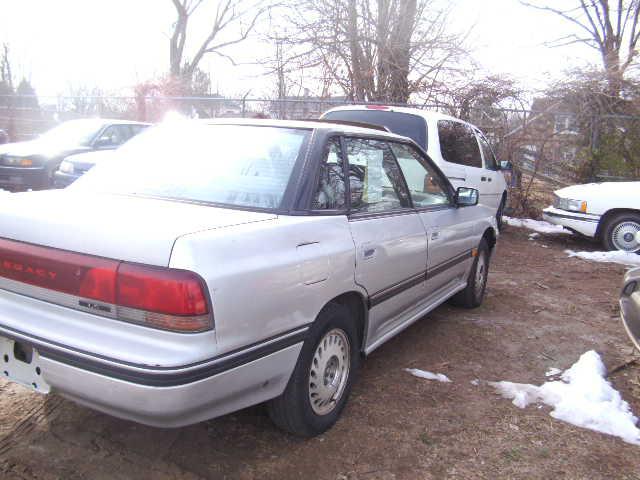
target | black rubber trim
[
  {"x": 572, "y": 217},
  {"x": 361, "y": 216},
  {"x": 452, "y": 262},
  {"x": 397, "y": 288},
  {"x": 158, "y": 377}
]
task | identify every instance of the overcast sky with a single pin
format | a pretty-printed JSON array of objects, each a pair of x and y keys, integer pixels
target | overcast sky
[{"x": 115, "y": 44}]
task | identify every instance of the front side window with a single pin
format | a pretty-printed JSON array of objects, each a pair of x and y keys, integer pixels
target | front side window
[
  {"x": 374, "y": 177},
  {"x": 487, "y": 152},
  {"x": 330, "y": 193},
  {"x": 458, "y": 144},
  {"x": 235, "y": 165},
  {"x": 426, "y": 187},
  {"x": 114, "y": 135}
]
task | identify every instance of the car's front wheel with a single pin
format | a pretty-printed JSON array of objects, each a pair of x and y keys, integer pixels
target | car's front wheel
[
  {"x": 621, "y": 232},
  {"x": 321, "y": 381},
  {"x": 473, "y": 294}
]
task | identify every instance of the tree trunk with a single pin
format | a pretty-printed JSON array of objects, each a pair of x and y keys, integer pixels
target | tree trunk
[
  {"x": 357, "y": 81},
  {"x": 400, "y": 51}
]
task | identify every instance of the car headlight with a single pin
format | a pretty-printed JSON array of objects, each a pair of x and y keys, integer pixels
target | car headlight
[
  {"x": 17, "y": 161},
  {"x": 570, "y": 204},
  {"x": 66, "y": 167}
]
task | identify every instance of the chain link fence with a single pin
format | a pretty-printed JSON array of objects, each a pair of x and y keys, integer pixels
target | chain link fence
[{"x": 557, "y": 147}]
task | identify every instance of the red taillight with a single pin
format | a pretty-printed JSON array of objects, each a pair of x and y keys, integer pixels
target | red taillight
[
  {"x": 161, "y": 290},
  {"x": 66, "y": 272},
  {"x": 156, "y": 296},
  {"x": 378, "y": 107}
]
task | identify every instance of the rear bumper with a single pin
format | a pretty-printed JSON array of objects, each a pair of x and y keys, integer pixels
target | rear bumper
[
  {"x": 23, "y": 178},
  {"x": 232, "y": 385},
  {"x": 178, "y": 405},
  {"x": 582, "y": 223},
  {"x": 62, "y": 180},
  {"x": 151, "y": 376},
  {"x": 630, "y": 306}
]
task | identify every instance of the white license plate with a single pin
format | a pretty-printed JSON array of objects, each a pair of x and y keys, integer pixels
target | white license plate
[{"x": 20, "y": 363}]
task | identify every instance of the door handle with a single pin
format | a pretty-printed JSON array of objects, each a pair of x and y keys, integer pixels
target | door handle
[
  {"x": 369, "y": 253},
  {"x": 435, "y": 235}
]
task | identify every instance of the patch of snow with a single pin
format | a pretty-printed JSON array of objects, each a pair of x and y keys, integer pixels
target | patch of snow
[
  {"x": 552, "y": 371},
  {"x": 535, "y": 225},
  {"x": 533, "y": 235},
  {"x": 475, "y": 382},
  {"x": 583, "y": 397},
  {"x": 617, "y": 256},
  {"x": 440, "y": 377}
]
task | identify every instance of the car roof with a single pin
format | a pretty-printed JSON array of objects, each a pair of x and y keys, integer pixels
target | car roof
[
  {"x": 307, "y": 124},
  {"x": 426, "y": 114}
]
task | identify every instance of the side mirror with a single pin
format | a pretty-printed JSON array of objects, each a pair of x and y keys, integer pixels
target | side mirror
[
  {"x": 466, "y": 197},
  {"x": 506, "y": 165}
]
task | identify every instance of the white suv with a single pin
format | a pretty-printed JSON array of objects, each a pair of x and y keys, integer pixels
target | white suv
[{"x": 460, "y": 149}]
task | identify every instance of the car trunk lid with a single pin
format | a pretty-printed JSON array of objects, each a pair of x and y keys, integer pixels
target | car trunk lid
[{"x": 119, "y": 227}]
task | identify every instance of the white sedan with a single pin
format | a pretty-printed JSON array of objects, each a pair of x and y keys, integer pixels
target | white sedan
[{"x": 608, "y": 212}]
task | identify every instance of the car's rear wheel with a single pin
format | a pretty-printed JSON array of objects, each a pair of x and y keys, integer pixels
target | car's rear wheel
[
  {"x": 621, "y": 232},
  {"x": 473, "y": 294},
  {"x": 500, "y": 213},
  {"x": 321, "y": 381}
]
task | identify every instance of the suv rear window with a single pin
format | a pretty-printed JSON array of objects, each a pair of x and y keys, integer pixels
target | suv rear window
[{"x": 404, "y": 124}]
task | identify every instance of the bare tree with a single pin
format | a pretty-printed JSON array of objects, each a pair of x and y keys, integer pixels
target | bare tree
[
  {"x": 6, "y": 75},
  {"x": 373, "y": 51},
  {"x": 610, "y": 27},
  {"x": 482, "y": 98},
  {"x": 238, "y": 17}
]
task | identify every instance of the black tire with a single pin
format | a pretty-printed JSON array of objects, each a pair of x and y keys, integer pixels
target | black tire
[
  {"x": 620, "y": 229},
  {"x": 500, "y": 213},
  {"x": 292, "y": 411},
  {"x": 473, "y": 294}
]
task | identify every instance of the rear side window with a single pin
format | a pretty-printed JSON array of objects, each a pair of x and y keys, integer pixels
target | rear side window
[
  {"x": 458, "y": 144},
  {"x": 405, "y": 124},
  {"x": 330, "y": 193}
]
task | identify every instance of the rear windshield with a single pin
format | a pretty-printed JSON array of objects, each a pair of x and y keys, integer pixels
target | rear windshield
[
  {"x": 404, "y": 124},
  {"x": 241, "y": 165}
]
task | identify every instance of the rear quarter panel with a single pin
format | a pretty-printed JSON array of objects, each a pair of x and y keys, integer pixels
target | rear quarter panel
[{"x": 267, "y": 278}]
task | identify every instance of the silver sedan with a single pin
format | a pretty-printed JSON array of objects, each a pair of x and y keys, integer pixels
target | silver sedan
[{"x": 210, "y": 266}]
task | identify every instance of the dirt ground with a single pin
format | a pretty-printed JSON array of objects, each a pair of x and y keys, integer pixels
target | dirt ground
[{"x": 543, "y": 310}]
